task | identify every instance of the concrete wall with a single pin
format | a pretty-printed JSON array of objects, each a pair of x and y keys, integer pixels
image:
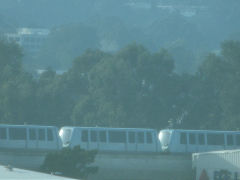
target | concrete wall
[
  {"x": 21, "y": 159},
  {"x": 142, "y": 167}
]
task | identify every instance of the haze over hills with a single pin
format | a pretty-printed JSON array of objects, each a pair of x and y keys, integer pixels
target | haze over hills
[
  {"x": 6, "y": 24},
  {"x": 191, "y": 27}
]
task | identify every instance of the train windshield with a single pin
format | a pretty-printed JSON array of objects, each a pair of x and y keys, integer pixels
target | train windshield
[
  {"x": 65, "y": 135},
  {"x": 164, "y": 137}
]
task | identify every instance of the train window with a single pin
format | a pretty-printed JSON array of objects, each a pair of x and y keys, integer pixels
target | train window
[
  {"x": 32, "y": 134},
  {"x": 149, "y": 138},
  {"x": 183, "y": 138},
  {"x": 84, "y": 136},
  {"x": 17, "y": 133},
  {"x": 117, "y": 136},
  {"x": 41, "y": 134},
  {"x": 192, "y": 138},
  {"x": 3, "y": 133},
  {"x": 131, "y": 137},
  {"x": 201, "y": 139},
  {"x": 140, "y": 137},
  {"x": 215, "y": 139},
  {"x": 102, "y": 136},
  {"x": 238, "y": 139},
  {"x": 230, "y": 140},
  {"x": 49, "y": 135},
  {"x": 93, "y": 136}
]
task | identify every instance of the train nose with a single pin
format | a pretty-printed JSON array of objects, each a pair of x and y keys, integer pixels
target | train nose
[
  {"x": 165, "y": 149},
  {"x": 66, "y": 144}
]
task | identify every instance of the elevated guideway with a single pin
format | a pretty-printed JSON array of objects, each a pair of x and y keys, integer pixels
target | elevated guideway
[
  {"x": 22, "y": 158},
  {"x": 143, "y": 167},
  {"x": 117, "y": 166}
]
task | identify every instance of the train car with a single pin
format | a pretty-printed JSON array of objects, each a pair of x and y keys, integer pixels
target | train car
[
  {"x": 111, "y": 139},
  {"x": 189, "y": 141},
  {"x": 29, "y": 137}
]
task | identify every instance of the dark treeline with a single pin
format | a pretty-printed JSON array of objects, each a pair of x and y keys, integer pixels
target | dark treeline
[{"x": 130, "y": 88}]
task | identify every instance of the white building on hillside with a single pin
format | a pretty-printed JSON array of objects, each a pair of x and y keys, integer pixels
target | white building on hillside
[{"x": 29, "y": 39}]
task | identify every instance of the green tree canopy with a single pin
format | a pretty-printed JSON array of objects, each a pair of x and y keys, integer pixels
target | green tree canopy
[{"x": 76, "y": 162}]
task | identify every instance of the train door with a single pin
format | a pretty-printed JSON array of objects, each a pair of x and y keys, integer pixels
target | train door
[
  {"x": 150, "y": 142},
  {"x": 192, "y": 142},
  {"x": 51, "y": 140},
  {"x": 41, "y": 132},
  {"x": 32, "y": 138},
  {"x": 93, "y": 140},
  {"x": 201, "y": 140},
  {"x": 140, "y": 141},
  {"x": 183, "y": 143},
  {"x": 131, "y": 141},
  {"x": 237, "y": 140},
  {"x": 117, "y": 140},
  {"x": 17, "y": 137},
  {"x": 215, "y": 141},
  {"x": 229, "y": 139},
  {"x": 3, "y": 137},
  {"x": 84, "y": 139},
  {"x": 102, "y": 140}
]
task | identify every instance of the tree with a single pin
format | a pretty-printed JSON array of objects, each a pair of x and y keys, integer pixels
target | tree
[
  {"x": 75, "y": 163},
  {"x": 132, "y": 88},
  {"x": 17, "y": 88},
  {"x": 10, "y": 55},
  {"x": 215, "y": 98}
]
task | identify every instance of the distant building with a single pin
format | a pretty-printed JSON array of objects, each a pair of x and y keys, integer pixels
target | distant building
[
  {"x": 58, "y": 72},
  {"x": 29, "y": 39}
]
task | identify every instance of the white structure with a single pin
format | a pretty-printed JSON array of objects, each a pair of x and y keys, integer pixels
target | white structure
[
  {"x": 218, "y": 165},
  {"x": 8, "y": 172},
  {"x": 189, "y": 141},
  {"x": 30, "y": 39},
  {"x": 111, "y": 139}
]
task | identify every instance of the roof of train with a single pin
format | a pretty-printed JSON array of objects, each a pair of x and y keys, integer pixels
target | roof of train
[
  {"x": 25, "y": 125},
  {"x": 192, "y": 130},
  {"x": 77, "y": 127}
]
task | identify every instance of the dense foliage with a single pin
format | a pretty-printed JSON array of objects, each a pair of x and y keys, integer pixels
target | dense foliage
[
  {"x": 75, "y": 163},
  {"x": 130, "y": 88}
]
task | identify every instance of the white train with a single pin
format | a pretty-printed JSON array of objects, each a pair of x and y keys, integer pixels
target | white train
[
  {"x": 147, "y": 140},
  {"x": 29, "y": 137},
  {"x": 111, "y": 139},
  {"x": 189, "y": 141}
]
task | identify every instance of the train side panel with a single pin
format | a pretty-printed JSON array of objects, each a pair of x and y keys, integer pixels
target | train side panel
[
  {"x": 113, "y": 139},
  {"x": 189, "y": 141},
  {"x": 29, "y": 137}
]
